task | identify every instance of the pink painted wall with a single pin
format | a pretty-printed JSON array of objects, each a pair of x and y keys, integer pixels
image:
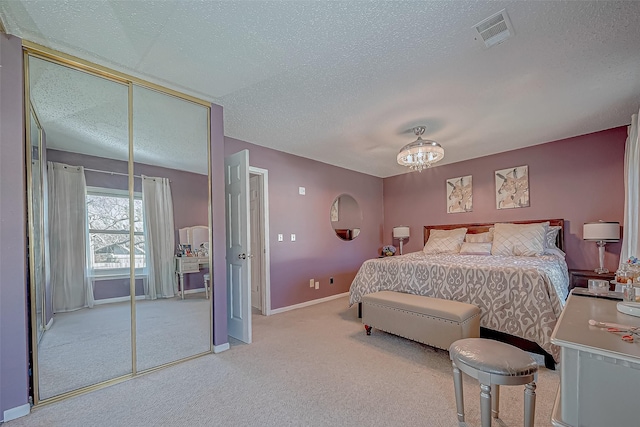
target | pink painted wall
[
  {"x": 14, "y": 380},
  {"x": 317, "y": 252},
  {"x": 579, "y": 179}
]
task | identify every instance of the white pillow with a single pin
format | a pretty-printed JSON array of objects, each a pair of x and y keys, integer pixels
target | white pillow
[
  {"x": 445, "y": 241},
  {"x": 476, "y": 248},
  {"x": 480, "y": 237},
  {"x": 519, "y": 239}
]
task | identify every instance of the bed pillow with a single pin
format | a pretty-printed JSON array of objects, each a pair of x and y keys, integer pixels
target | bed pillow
[
  {"x": 476, "y": 248},
  {"x": 480, "y": 237},
  {"x": 445, "y": 241},
  {"x": 519, "y": 239},
  {"x": 552, "y": 234}
]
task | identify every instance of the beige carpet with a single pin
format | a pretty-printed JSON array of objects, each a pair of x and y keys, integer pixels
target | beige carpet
[
  {"x": 308, "y": 367},
  {"x": 89, "y": 346}
]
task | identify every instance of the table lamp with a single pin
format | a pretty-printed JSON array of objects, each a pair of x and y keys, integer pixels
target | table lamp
[
  {"x": 601, "y": 232},
  {"x": 401, "y": 233}
]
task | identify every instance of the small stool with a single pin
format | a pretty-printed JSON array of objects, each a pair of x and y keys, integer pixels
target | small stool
[
  {"x": 493, "y": 364},
  {"x": 206, "y": 284}
]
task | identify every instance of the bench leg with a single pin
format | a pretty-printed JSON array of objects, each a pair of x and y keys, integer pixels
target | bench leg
[
  {"x": 485, "y": 405},
  {"x": 457, "y": 385},
  {"x": 529, "y": 404},
  {"x": 368, "y": 329},
  {"x": 495, "y": 400}
]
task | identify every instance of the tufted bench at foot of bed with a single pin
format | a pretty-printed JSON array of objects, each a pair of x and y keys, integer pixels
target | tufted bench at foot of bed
[{"x": 432, "y": 321}]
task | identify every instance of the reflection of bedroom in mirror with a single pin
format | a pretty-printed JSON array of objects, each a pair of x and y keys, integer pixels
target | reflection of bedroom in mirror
[
  {"x": 346, "y": 217},
  {"x": 104, "y": 227}
]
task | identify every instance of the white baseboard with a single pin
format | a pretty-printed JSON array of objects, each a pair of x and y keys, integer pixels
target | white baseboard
[
  {"x": 193, "y": 291},
  {"x": 220, "y": 348},
  {"x": 17, "y": 412},
  {"x": 112, "y": 300},
  {"x": 308, "y": 303}
]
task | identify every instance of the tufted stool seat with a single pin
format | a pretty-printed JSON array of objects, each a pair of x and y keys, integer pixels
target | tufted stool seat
[{"x": 493, "y": 364}]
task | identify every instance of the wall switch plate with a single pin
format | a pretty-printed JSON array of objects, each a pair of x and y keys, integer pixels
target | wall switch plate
[
  {"x": 301, "y": 191},
  {"x": 317, "y": 285},
  {"x": 331, "y": 280},
  {"x": 293, "y": 237},
  {"x": 311, "y": 283},
  {"x": 280, "y": 238}
]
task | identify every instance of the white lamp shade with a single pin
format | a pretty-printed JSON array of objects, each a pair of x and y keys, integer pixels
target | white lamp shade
[
  {"x": 601, "y": 231},
  {"x": 401, "y": 232}
]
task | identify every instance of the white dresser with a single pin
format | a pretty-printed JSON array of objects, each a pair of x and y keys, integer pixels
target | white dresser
[{"x": 599, "y": 373}]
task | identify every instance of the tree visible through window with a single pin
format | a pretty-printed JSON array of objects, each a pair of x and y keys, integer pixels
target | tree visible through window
[{"x": 109, "y": 225}]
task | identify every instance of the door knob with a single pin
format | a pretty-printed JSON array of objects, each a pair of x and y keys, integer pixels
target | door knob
[{"x": 242, "y": 256}]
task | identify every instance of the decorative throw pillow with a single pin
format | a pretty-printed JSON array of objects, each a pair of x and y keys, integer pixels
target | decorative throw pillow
[
  {"x": 519, "y": 239},
  {"x": 552, "y": 234},
  {"x": 445, "y": 241},
  {"x": 476, "y": 248},
  {"x": 480, "y": 237}
]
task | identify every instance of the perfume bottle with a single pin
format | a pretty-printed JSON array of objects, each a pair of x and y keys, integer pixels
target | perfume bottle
[{"x": 629, "y": 292}]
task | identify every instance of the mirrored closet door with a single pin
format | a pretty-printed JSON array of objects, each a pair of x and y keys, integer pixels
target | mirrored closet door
[
  {"x": 109, "y": 295},
  {"x": 170, "y": 154}
]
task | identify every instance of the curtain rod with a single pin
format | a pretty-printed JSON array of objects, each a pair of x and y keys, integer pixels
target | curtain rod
[{"x": 111, "y": 173}]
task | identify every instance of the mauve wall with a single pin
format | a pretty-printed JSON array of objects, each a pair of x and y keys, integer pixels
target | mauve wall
[
  {"x": 13, "y": 298},
  {"x": 317, "y": 252},
  {"x": 188, "y": 191},
  {"x": 578, "y": 179}
]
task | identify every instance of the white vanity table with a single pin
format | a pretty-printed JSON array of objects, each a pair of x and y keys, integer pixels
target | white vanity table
[
  {"x": 185, "y": 265},
  {"x": 599, "y": 373}
]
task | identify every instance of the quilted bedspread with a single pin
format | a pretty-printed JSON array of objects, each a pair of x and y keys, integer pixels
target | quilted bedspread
[{"x": 520, "y": 296}]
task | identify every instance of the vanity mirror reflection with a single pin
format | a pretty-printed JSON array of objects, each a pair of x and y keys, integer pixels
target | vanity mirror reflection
[
  {"x": 115, "y": 170},
  {"x": 346, "y": 217}
]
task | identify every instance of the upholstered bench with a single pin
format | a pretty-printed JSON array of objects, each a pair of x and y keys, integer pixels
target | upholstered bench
[{"x": 432, "y": 321}]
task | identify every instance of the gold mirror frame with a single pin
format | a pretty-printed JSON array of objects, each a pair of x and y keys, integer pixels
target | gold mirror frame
[{"x": 37, "y": 51}]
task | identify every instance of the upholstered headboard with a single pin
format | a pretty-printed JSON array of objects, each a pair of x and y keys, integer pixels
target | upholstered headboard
[{"x": 482, "y": 227}]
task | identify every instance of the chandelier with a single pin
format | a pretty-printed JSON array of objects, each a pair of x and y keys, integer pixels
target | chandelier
[{"x": 421, "y": 153}]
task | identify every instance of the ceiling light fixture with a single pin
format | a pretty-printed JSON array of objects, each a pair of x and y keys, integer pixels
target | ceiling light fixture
[{"x": 421, "y": 153}]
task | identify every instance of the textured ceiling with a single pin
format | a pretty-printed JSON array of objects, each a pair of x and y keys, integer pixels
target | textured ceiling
[{"x": 344, "y": 82}]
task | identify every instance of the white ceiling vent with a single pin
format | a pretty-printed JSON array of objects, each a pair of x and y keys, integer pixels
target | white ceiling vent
[{"x": 495, "y": 29}]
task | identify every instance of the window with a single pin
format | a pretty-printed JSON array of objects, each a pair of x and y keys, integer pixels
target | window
[{"x": 109, "y": 225}]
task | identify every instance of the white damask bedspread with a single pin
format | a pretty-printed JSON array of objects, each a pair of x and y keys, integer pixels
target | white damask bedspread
[{"x": 520, "y": 296}]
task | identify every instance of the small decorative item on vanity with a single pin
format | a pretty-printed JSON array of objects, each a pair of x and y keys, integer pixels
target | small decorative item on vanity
[{"x": 388, "y": 250}]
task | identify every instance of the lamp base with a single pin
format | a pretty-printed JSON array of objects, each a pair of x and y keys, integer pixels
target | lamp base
[{"x": 601, "y": 269}]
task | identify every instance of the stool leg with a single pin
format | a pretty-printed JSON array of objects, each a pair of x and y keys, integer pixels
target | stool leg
[
  {"x": 485, "y": 405},
  {"x": 457, "y": 385},
  {"x": 206, "y": 288},
  {"x": 495, "y": 400},
  {"x": 529, "y": 404}
]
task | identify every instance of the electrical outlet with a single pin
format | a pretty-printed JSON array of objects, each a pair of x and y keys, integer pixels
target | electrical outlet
[
  {"x": 293, "y": 237},
  {"x": 280, "y": 237},
  {"x": 311, "y": 283},
  {"x": 317, "y": 285},
  {"x": 301, "y": 191},
  {"x": 331, "y": 280}
]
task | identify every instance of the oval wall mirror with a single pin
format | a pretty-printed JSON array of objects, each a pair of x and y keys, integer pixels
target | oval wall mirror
[{"x": 346, "y": 217}]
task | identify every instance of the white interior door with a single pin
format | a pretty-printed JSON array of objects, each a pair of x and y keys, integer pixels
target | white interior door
[
  {"x": 256, "y": 242},
  {"x": 238, "y": 246}
]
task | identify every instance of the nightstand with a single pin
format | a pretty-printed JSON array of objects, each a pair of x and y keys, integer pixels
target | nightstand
[{"x": 580, "y": 278}]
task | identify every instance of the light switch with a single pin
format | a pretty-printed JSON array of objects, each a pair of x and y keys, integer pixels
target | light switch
[
  {"x": 301, "y": 191},
  {"x": 280, "y": 237},
  {"x": 293, "y": 237}
]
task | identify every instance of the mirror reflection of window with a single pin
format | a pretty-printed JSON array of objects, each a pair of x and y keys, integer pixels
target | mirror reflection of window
[{"x": 346, "y": 217}]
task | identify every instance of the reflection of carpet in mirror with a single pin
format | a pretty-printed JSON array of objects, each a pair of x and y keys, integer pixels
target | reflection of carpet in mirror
[{"x": 89, "y": 346}]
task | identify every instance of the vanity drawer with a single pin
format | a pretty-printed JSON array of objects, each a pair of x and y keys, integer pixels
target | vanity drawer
[{"x": 186, "y": 265}]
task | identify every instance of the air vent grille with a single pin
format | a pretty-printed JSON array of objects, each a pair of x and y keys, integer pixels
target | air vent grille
[{"x": 495, "y": 29}]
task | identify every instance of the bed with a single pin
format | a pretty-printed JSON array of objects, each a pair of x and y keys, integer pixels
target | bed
[{"x": 520, "y": 297}]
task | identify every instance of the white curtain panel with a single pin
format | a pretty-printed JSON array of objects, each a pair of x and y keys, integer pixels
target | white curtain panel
[
  {"x": 159, "y": 237},
  {"x": 631, "y": 231},
  {"x": 67, "y": 237}
]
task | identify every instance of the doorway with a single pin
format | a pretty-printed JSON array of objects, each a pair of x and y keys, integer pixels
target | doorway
[{"x": 259, "y": 220}]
